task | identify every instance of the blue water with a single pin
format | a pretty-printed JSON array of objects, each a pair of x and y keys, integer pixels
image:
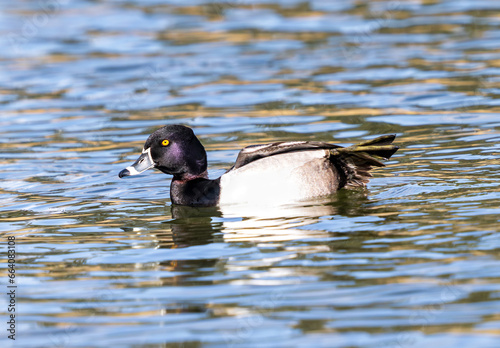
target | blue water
[{"x": 412, "y": 261}]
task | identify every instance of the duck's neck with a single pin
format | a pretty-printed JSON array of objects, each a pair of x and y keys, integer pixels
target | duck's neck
[
  {"x": 194, "y": 190},
  {"x": 184, "y": 177}
]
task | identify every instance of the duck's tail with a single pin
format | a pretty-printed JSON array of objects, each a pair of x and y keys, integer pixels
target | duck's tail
[{"x": 355, "y": 162}]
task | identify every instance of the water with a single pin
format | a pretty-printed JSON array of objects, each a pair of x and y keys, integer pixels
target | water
[{"x": 410, "y": 262}]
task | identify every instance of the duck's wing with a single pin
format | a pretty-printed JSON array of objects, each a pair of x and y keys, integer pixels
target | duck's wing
[
  {"x": 254, "y": 152},
  {"x": 355, "y": 161}
]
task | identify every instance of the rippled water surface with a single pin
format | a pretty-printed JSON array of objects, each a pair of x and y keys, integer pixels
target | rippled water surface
[{"x": 413, "y": 261}]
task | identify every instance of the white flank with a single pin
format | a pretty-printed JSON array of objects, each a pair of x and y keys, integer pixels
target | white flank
[{"x": 280, "y": 179}]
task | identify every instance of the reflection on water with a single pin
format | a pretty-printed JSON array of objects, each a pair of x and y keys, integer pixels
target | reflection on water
[{"x": 410, "y": 262}]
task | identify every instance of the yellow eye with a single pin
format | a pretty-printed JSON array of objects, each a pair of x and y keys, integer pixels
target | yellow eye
[{"x": 165, "y": 142}]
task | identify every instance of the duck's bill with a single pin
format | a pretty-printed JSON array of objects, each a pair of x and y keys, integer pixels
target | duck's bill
[{"x": 143, "y": 163}]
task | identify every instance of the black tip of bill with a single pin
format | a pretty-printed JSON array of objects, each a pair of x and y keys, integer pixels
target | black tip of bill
[{"x": 124, "y": 173}]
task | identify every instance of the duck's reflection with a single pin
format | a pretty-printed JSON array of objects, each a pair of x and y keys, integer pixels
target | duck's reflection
[
  {"x": 283, "y": 223},
  {"x": 196, "y": 226},
  {"x": 190, "y": 227},
  {"x": 245, "y": 227}
]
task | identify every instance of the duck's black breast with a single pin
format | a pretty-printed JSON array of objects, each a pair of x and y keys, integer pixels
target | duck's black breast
[{"x": 196, "y": 192}]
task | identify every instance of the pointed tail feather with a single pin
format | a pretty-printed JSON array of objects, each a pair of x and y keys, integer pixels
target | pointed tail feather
[
  {"x": 382, "y": 140},
  {"x": 355, "y": 162}
]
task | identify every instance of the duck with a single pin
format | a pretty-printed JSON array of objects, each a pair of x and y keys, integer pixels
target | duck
[{"x": 268, "y": 174}]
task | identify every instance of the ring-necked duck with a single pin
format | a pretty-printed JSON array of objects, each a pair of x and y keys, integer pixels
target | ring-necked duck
[{"x": 276, "y": 173}]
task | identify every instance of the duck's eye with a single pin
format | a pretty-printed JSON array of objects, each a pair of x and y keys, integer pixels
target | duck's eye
[{"x": 165, "y": 142}]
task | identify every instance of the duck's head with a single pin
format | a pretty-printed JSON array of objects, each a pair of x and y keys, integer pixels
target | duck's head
[{"x": 174, "y": 150}]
